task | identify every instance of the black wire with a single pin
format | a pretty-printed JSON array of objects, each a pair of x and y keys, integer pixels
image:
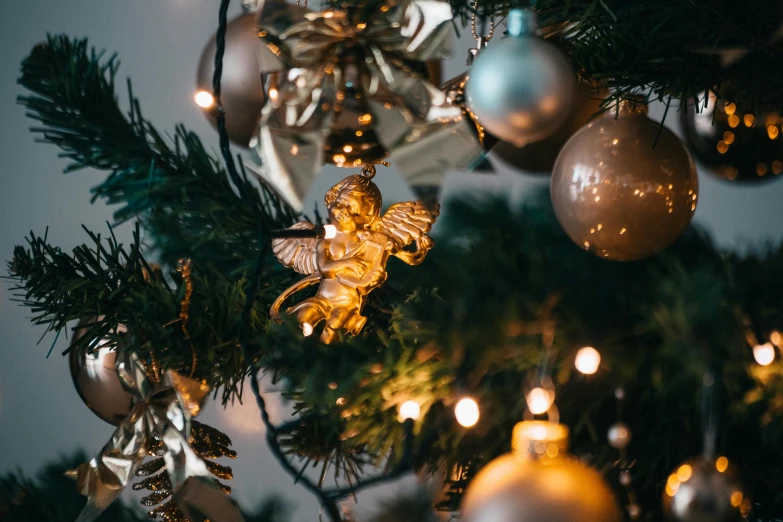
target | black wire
[{"x": 220, "y": 114}]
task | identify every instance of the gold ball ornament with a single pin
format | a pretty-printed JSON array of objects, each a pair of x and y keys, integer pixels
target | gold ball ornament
[
  {"x": 705, "y": 490},
  {"x": 537, "y": 483},
  {"x": 242, "y": 92},
  {"x": 97, "y": 383},
  {"x": 616, "y": 195}
]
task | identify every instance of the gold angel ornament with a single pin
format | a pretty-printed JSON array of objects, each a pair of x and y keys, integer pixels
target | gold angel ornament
[{"x": 350, "y": 261}]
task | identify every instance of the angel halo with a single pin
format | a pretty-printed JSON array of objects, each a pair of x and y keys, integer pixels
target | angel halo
[{"x": 351, "y": 263}]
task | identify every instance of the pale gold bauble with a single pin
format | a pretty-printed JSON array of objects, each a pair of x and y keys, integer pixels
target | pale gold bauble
[
  {"x": 552, "y": 487},
  {"x": 97, "y": 383},
  {"x": 515, "y": 489},
  {"x": 242, "y": 92},
  {"x": 619, "y": 194},
  {"x": 705, "y": 490}
]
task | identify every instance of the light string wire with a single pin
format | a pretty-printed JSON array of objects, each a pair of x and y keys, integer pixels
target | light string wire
[{"x": 327, "y": 497}]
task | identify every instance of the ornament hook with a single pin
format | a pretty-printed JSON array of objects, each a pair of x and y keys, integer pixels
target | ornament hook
[{"x": 368, "y": 171}]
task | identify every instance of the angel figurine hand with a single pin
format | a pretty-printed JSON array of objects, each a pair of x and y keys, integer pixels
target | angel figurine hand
[{"x": 351, "y": 263}]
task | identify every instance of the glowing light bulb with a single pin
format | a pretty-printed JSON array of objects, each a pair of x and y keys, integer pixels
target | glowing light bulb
[
  {"x": 467, "y": 412},
  {"x": 587, "y": 360},
  {"x": 204, "y": 99},
  {"x": 684, "y": 473},
  {"x": 722, "y": 464},
  {"x": 776, "y": 338},
  {"x": 330, "y": 231},
  {"x": 410, "y": 410},
  {"x": 764, "y": 353},
  {"x": 307, "y": 329},
  {"x": 539, "y": 400}
]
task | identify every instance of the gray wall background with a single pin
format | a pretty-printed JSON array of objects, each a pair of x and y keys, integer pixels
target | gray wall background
[{"x": 159, "y": 43}]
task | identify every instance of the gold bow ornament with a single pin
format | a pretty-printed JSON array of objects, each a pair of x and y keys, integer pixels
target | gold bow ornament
[
  {"x": 161, "y": 413},
  {"x": 349, "y": 87}
]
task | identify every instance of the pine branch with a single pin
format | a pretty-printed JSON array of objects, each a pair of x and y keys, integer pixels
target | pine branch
[
  {"x": 106, "y": 285},
  {"x": 187, "y": 202},
  {"x": 89, "y": 285},
  {"x": 670, "y": 49}
]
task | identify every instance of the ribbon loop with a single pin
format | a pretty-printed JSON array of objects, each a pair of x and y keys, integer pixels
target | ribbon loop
[
  {"x": 349, "y": 89},
  {"x": 162, "y": 411}
]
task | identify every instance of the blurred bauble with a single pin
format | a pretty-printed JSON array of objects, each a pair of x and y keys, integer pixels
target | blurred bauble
[
  {"x": 551, "y": 487},
  {"x": 619, "y": 194},
  {"x": 735, "y": 144},
  {"x": 619, "y": 435},
  {"x": 521, "y": 88},
  {"x": 97, "y": 382},
  {"x": 705, "y": 491},
  {"x": 242, "y": 92},
  {"x": 540, "y": 156}
]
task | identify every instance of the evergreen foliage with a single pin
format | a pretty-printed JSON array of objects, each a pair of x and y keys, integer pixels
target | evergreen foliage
[{"x": 503, "y": 294}]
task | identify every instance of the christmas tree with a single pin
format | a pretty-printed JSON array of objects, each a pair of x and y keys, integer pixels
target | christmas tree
[{"x": 496, "y": 330}]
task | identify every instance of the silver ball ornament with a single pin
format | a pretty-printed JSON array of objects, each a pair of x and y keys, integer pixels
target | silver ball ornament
[
  {"x": 704, "y": 491},
  {"x": 619, "y": 435},
  {"x": 620, "y": 194},
  {"x": 97, "y": 383},
  {"x": 521, "y": 88}
]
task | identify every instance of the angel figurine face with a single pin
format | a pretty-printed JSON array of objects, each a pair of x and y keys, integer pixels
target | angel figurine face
[
  {"x": 351, "y": 264},
  {"x": 353, "y": 203}
]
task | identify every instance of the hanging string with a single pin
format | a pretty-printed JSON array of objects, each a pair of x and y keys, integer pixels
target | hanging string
[{"x": 482, "y": 40}]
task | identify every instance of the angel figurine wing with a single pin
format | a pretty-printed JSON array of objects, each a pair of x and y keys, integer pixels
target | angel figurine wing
[
  {"x": 407, "y": 222},
  {"x": 297, "y": 252}
]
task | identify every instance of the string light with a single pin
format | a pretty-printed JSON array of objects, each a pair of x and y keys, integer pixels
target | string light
[
  {"x": 330, "y": 231},
  {"x": 776, "y": 338},
  {"x": 587, "y": 360},
  {"x": 764, "y": 353},
  {"x": 410, "y": 410},
  {"x": 307, "y": 329},
  {"x": 467, "y": 412},
  {"x": 204, "y": 99},
  {"x": 539, "y": 400}
]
